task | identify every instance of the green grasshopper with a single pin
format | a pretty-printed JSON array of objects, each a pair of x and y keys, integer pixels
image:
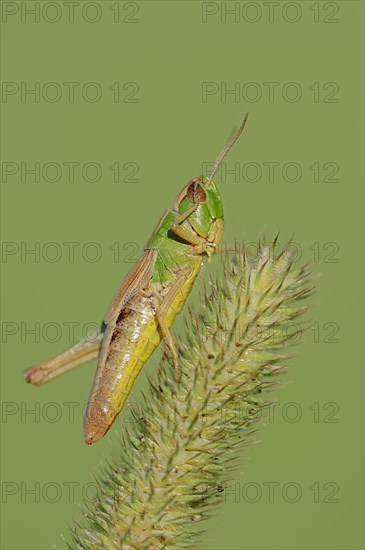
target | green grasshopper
[{"x": 149, "y": 298}]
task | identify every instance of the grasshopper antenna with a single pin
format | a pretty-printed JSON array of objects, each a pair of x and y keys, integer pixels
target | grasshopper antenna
[{"x": 232, "y": 140}]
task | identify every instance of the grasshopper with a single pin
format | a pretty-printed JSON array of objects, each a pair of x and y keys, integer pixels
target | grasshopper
[{"x": 147, "y": 302}]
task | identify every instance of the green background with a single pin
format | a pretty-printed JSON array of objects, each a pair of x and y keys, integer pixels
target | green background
[{"x": 169, "y": 131}]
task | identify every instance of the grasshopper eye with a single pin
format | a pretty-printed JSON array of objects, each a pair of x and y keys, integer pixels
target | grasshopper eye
[{"x": 195, "y": 192}]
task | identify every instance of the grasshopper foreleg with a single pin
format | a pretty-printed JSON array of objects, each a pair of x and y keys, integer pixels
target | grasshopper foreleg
[
  {"x": 183, "y": 233},
  {"x": 200, "y": 245}
]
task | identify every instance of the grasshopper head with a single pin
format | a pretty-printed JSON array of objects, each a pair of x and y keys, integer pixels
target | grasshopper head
[
  {"x": 202, "y": 204},
  {"x": 206, "y": 220},
  {"x": 202, "y": 192}
]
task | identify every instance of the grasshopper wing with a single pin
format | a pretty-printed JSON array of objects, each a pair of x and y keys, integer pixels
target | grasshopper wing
[{"x": 138, "y": 277}]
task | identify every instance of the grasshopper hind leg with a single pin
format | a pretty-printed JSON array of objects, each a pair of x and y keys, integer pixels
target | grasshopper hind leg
[
  {"x": 78, "y": 354},
  {"x": 171, "y": 345},
  {"x": 161, "y": 313}
]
